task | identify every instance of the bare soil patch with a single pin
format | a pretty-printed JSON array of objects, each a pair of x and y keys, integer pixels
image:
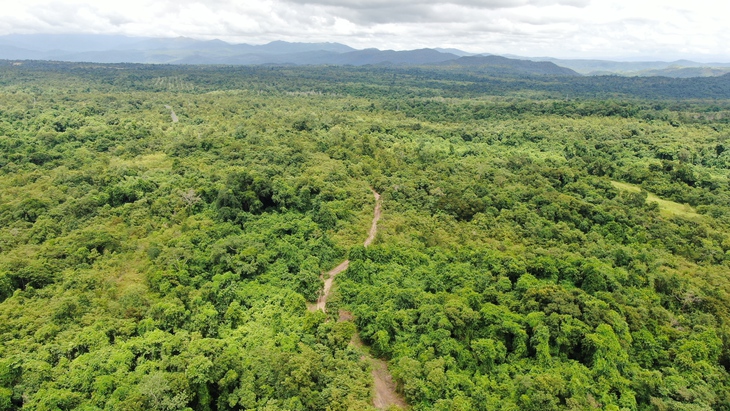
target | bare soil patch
[{"x": 385, "y": 394}]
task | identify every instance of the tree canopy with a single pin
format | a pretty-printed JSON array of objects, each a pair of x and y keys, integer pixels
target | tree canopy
[{"x": 535, "y": 252}]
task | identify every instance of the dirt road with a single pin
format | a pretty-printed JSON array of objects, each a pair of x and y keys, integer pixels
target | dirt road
[
  {"x": 172, "y": 114},
  {"x": 322, "y": 300},
  {"x": 376, "y": 216},
  {"x": 384, "y": 395},
  {"x": 321, "y": 303}
]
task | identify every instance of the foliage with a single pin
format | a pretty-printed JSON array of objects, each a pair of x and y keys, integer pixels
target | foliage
[{"x": 535, "y": 252}]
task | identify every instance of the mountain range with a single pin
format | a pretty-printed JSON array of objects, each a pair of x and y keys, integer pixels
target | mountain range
[
  {"x": 183, "y": 50},
  {"x": 679, "y": 68}
]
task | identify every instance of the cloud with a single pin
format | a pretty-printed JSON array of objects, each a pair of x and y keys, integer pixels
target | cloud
[
  {"x": 436, "y": 11},
  {"x": 476, "y": 4},
  {"x": 564, "y": 28}
]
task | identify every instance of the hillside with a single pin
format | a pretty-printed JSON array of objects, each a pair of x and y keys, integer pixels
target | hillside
[
  {"x": 496, "y": 65},
  {"x": 687, "y": 72}
]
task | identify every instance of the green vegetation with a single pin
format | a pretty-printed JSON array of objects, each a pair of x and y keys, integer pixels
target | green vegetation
[
  {"x": 670, "y": 208},
  {"x": 521, "y": 262}
]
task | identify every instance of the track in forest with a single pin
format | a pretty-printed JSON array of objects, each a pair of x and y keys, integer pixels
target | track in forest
[
  {"x": 322, "y": 300},
  {"x": 384, "y": 394},
  {"x": 173, "y": 116}
]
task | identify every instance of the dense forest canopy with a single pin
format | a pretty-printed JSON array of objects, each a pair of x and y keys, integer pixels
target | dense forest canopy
[{"x": 546, "y": 242}]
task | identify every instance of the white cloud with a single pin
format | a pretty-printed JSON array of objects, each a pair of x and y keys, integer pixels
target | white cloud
[{"x": 664, "y": 29}]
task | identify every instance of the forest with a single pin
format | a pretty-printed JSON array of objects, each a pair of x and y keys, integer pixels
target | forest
[{"x": 546, "y": 243}]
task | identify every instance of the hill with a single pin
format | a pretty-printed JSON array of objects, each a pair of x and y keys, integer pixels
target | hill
[{"x": 498, "y": 65}]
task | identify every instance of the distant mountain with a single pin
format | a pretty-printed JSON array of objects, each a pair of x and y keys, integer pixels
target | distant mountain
[
  {"x": 184, "y": 50},
  {"x": 176, "y": 43},
  {"x": 352, "y": 58},
  {"x": 636, "y": 68},
  {"x": 179, "y": 50},
  {"x": 457, "y": 52},
  {"x": 68, "y": 42},
  {"x": 686, "y": 72},
  {"x": 17, "y": 53},
  {"x": 390, "y": 57},
  {"x": 498, "y": 65},
  {"x": 283, "y": 47}
]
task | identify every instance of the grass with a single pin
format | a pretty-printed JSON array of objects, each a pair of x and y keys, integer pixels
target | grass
[
  {"x": 156, "y": 161},
  {"x": 665, "y": 206}
]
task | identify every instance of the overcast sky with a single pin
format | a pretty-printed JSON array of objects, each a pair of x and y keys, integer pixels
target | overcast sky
[{"x": 625, "y": 29}]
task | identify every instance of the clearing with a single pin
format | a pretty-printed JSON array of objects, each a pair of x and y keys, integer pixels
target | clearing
[{"x": 665, "y": 206}]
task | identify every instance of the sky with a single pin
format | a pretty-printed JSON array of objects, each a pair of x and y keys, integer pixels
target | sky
[{"x": 609, "y": 29}]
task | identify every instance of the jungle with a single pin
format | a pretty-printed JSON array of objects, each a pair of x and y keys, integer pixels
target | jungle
[{"x": 546, "y": 243}]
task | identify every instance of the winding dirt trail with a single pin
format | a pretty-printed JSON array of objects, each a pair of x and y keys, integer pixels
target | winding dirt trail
[
  {"x": 322, "y": 300},
  {"x": 384, "y": 395}
]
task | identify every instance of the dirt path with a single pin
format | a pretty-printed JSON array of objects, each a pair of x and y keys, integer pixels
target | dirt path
[
  {"x": 322, "y": 300},
  {"x": 376, "y": 216},
  {"x": 384, "y": 395},
  {"x": 172, "y": 114},
  {"x": 384, "y": 392}
]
